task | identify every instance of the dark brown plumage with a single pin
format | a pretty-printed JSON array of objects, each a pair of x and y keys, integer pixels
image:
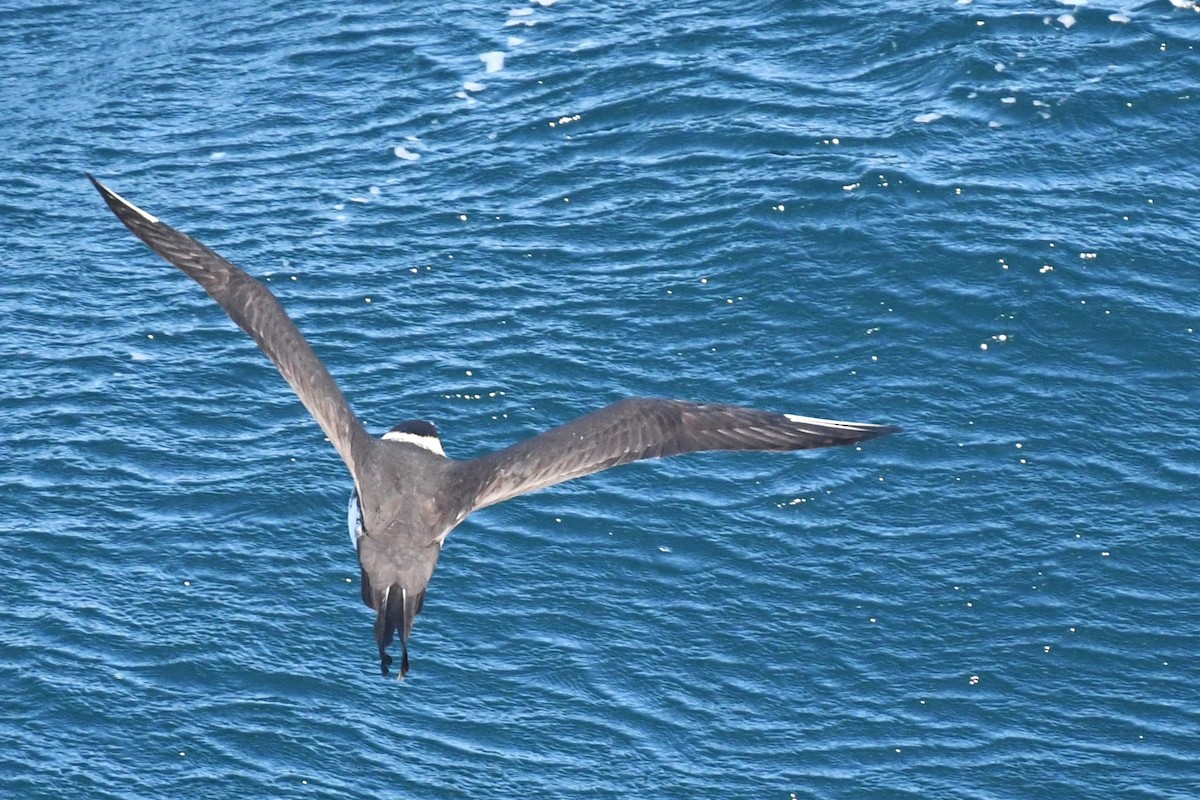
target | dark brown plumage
[{"x": 408, "y": 496}]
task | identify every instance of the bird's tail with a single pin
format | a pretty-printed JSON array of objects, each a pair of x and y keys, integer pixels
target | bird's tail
[{"x": 395, "y": 608}]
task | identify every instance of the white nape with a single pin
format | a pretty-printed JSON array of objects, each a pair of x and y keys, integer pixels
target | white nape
[{"x": 430, "y": 443}]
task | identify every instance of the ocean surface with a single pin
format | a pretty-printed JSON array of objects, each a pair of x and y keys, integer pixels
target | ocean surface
[{"x": 976, "y": 220}]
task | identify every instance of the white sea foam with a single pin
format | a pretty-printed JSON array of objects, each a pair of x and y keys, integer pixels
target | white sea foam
[
  {"x": 927, "y": 117},
  {"x": 1067, "y": 20},
  {"x": 403, "y": 152},
  {"x": 474, "y": 86},
  {"x": 493, "y": 60}
]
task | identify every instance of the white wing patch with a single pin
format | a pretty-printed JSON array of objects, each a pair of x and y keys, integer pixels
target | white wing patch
[
  {"x": 354, "y": 520},
  {"x": 145, "y": 214},
  {"x": 818, "y": 421}
]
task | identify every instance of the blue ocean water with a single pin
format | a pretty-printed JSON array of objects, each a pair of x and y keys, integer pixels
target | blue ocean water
[{"x": 974, "y": 220}]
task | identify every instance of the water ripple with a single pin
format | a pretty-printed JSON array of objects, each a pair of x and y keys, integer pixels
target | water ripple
[{"x": 974, "y": 220}]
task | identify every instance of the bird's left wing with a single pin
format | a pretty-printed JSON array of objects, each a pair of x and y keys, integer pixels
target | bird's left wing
[{"x": 256, "y": 310}]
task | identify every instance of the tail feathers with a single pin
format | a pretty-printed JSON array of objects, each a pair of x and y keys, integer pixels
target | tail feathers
[{"x": 395, "y": 608}]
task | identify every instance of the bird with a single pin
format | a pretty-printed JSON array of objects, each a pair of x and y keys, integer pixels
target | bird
[{"x": 408, "y": 494}]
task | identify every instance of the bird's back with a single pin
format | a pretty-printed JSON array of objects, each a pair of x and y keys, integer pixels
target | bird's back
[{"x": 406, "y": 514}]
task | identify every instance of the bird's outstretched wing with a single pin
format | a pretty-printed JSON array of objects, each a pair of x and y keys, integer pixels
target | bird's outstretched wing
[
  {"x": 640, "y": 428},
  {"x": 256, "y": 310}
]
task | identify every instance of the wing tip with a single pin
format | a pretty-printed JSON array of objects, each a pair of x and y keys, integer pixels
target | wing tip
[
  {"x": 875, "y": 431},
  {"x": 119, "y": 205},
  {"x": 851, "y": 431}
]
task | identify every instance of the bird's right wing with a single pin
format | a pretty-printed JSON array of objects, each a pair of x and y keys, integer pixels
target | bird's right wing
[
  {"x": 256, "y": 310},
  {"x": 631, "y": 430}
]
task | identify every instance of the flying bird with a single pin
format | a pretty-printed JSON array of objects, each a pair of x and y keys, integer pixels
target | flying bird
[{"x": 408, "y": 495}]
